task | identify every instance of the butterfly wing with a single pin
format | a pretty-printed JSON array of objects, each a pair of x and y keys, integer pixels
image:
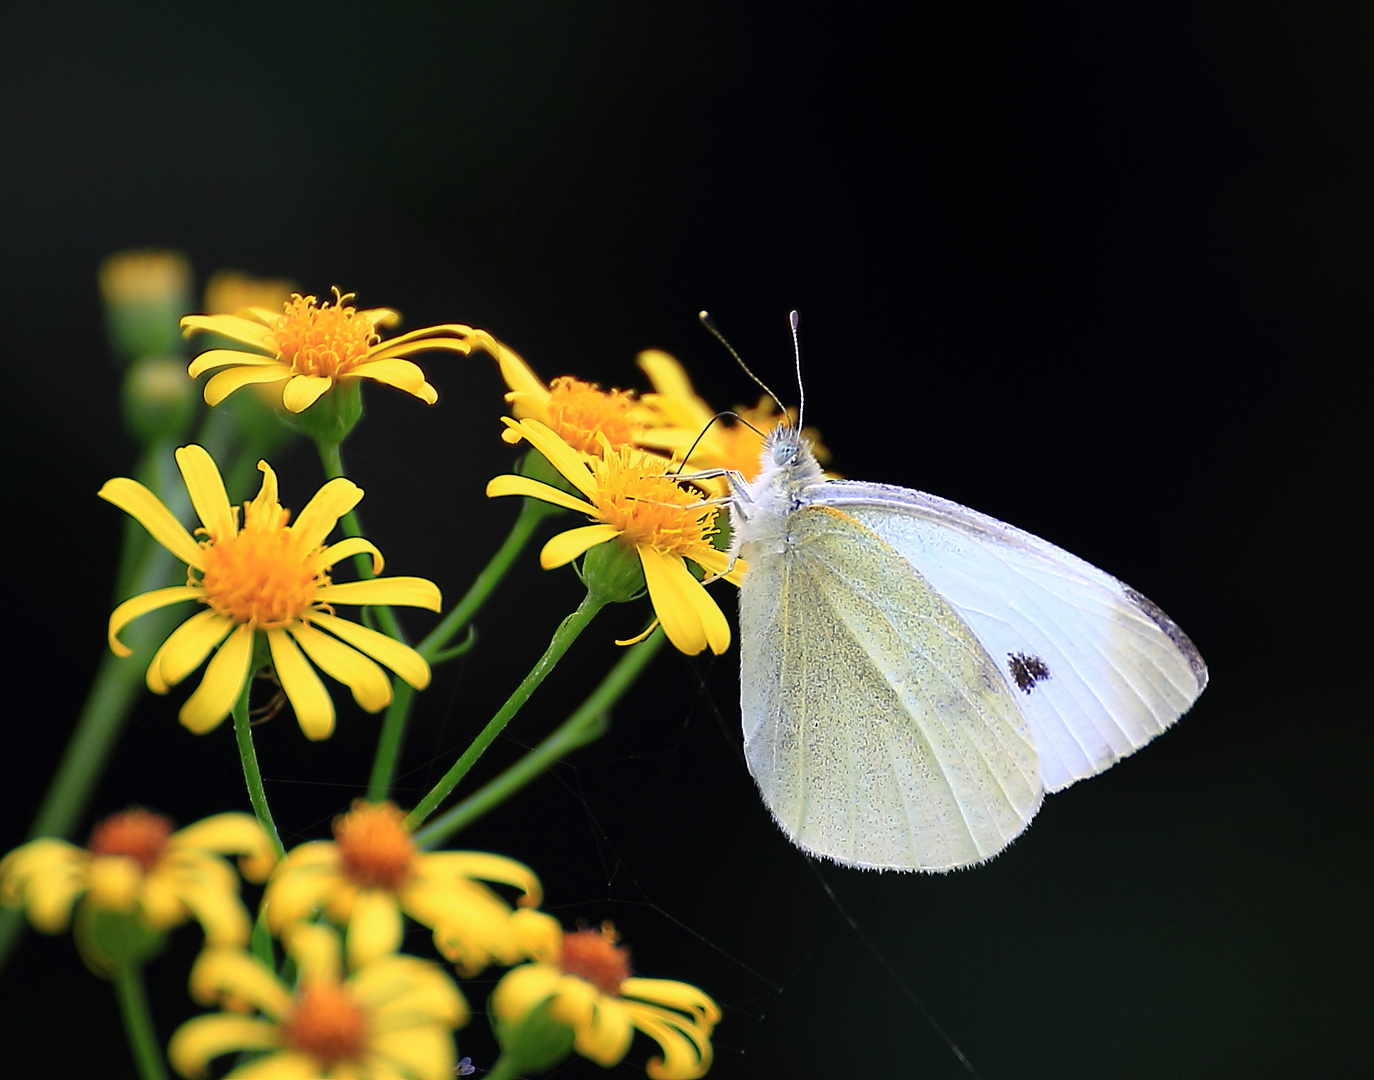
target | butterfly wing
[
  {"x": 880, "y": 732},
  {"x": 1095, "y": 667}
]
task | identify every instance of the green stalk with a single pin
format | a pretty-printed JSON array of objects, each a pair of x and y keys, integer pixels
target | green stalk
[
  {"x": 586, "y": 725},
  {"x": 138, "y": 1022},
  {"x": 243, "y": 735},
  {"x": 394, "y": 724},
  {"x": 332, "y": 460},
  {"x": 563, "y": 638}
]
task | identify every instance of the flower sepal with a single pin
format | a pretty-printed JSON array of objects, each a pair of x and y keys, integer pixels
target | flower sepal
[
  {"x": 333, "y": 416},
  {"x": 530, "y": 1036},
  {"x": 111, "y": 941},
  {"x": 613, "y": 573}
]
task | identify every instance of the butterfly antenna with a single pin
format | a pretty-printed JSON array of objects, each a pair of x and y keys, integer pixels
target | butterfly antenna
[
  {"x": 794, "y": 319},
  {"x": 710, "y": 325}
]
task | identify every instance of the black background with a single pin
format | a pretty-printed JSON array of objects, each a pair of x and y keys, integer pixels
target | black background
[{"x": 1100, "y": 272}]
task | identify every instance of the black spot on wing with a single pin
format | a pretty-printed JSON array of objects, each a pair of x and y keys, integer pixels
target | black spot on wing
[
  {"x": 1026, "y": 670},
  {"x": 1173, "y": 633}
]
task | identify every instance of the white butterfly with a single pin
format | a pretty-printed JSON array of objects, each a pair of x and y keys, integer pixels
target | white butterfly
[{"x": 915, "y": 676}]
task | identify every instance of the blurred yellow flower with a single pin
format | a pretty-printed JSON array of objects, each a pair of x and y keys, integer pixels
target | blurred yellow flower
[
  {"x": 371, "y": 873},
  {"x": 587, "y": 987},
  {"x": 309, "y": 346},
  {"x": 270, "y": 578},
  {"x": 135, "y": 864},
  {"x": 634, "y": 501},
  {"x": 230, "y": 291},
  {"x": 391, "y": 1017}
]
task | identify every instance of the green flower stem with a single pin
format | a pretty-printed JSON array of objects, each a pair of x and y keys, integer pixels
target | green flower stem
[
  {"x": 138, "y": 1022},
  {"x": 394, "y": 725},
  {"x": 563, "y": 638},
  {"x": 243, "y": 734},
  {"x": 332, "y": 459},
  {"x": 586, "y": 725},
  {"x": 389, "y": 742}
]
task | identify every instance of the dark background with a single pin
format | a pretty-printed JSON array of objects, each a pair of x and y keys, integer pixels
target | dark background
[{"x": 1100, "y": 272}]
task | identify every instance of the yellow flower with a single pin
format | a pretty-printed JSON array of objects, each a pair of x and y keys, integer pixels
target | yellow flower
[
  {"x": 580, "y": 413},
  {"x": 716, "y": 442},
  {"x": 134, "y": 863},
  {"x": 391, "y": 1017},
  {"x": 371, "y": 872},
  {"x": 587, "y": 987},
  {"x": 309, "y": 346},
  {"x": 632, "y": 500},
  {"x": 270, "y": 578}
]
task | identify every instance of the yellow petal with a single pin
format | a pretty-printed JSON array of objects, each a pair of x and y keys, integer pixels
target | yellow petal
[
  {"x": 425, "y": 1053},
  {"x": 369, "y": 683},
  {"x": 567, "y": 546},
  {"x": 230, "y": 834},
  {"x": 265, "y": 509},
  {"x": 522, "y": 989},
  {"x": 315, "y": 948},
  {"x": 206, "y": 488},
  {"x": 374, "y": 929},
  {"x": 221, "y": 914},
  {"x": 234, "y": 327},
  {"x": 222, "y": 973},
  {"x": 400, "y": 658},
  {"x": 309, "y": 699},
  {"x": 148, "y": 510},
  {"x": 135, "y": 606},
  {"x": 217, "y": 358},
  {"x": 296, "y": 893},
  {"x": 347, "y": 548},
  {"x": 690, "y": 618},
  {"x": 302, "y": 391},
  {"x": 188, "y": 646},
  {"x": 677, "y": 995},
  {"x": 204, "y": 1038},
  {"x": 405, "y": 591},
  {"x": 319, "y": 516},
  {"x": 686, "y": 1048},
  {"x": 483, "y": 866},
  {"x": 382, "y": 316},
  {"x": 452, "y": 336},
  {"x": 221, "y": 385},
  {"x": 393, "y": 371},
  {"x": 607, "y": 1039},
  {"x": 219, "y": 689},
  {"x": 510, "y": 484},
  {"x": 558, "y": 453}
]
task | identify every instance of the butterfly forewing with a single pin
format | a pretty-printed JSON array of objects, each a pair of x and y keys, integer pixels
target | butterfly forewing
[{"x": 880, "y": 732}]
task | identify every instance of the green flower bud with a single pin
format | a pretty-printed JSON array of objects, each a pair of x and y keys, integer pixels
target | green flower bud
[
  {"x": 145, "y": 294},
  {"x": 159, "y": 402}
]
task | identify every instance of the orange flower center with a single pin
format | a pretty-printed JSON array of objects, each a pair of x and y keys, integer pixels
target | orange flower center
[
  {"x": 137, "y": 833},
  {"x": 634, "y": 496},
  {"x": 374, "y": 845},
  {"x": 597, "y": 957},
  {"x": 259, "y": 577},
  {"x": 578, "y": 410},
  {"x": 323, "y": 339},
  {"x": 326, "y": 1025}
]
